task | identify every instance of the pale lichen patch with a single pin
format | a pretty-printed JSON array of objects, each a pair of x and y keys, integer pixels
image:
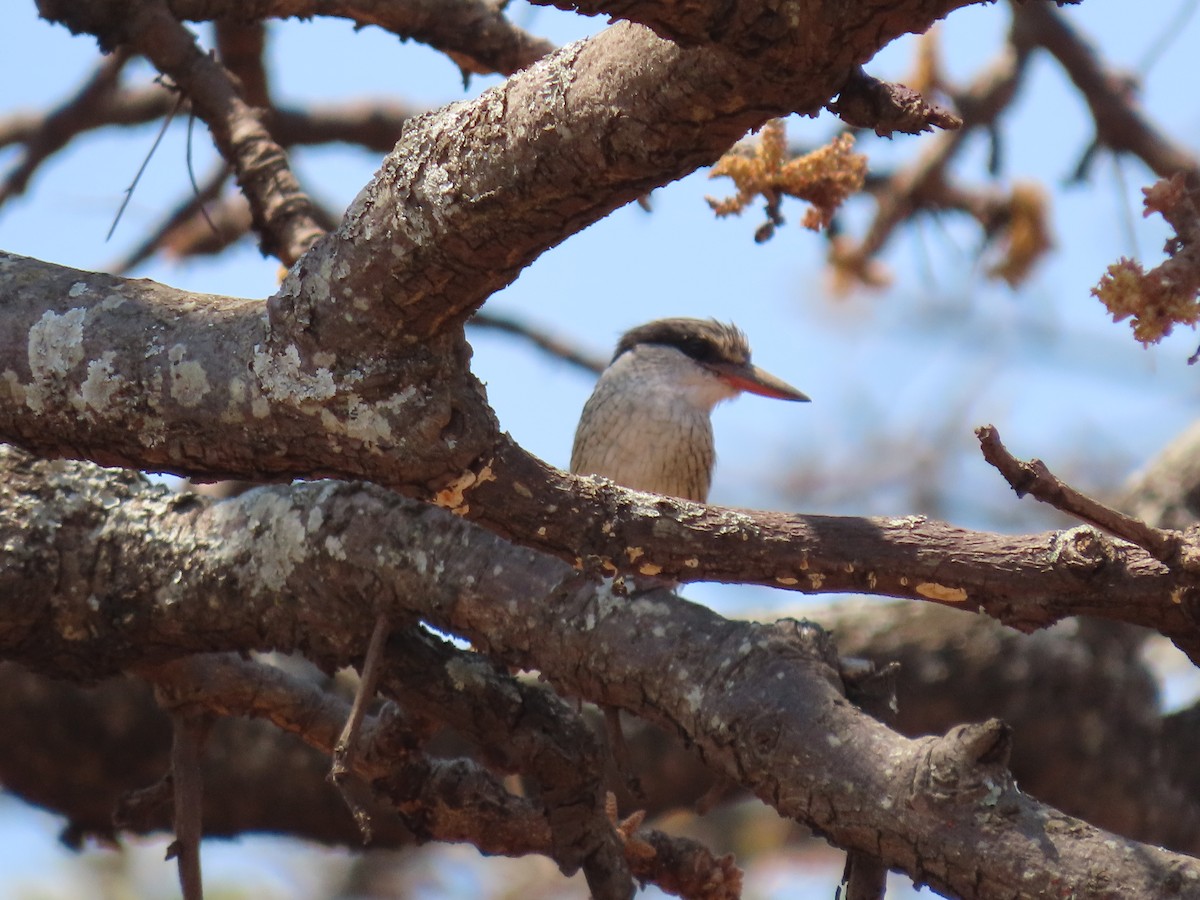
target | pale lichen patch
[
  {"x": 55, "y": 346},
  {"x": 12, "y": 383},
  {"x": 649, "y": 569},
  {"x": 283, "y": 379},
  {"x": 786, "y": 580},
  {"x": 334, "y": 547},
  {"x": 365, "y": 422},
  {"x": 101, "y": 384},
  {"x": 189, "y": 382},
  {"x": 237, "y": 390},
  {"x": 268, "y": 544}
]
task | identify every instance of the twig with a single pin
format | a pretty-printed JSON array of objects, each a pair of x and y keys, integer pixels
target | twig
[
  {"x": 554, "y": 346},
  {"x": 1166, "y": 37},
  {"x": 620, "y": 753},
  {"x": 162, "y": 130},
  {"x": 1121, "y": 124},
  {"x": 922, "y": 184},
  {"x": 191, "y": 728},
  {"x": 346, "y": 747},
  {"x": 1169, "y": 547},
  {"x": 177, "y": 234},
  {"x": 283, "y": 213}
]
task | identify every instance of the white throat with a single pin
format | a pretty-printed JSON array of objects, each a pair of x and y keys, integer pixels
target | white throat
[{"x": 646, "y": 425}]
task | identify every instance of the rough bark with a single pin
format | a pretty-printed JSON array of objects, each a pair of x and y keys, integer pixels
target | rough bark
[
  {"x": 769, "y": 712},
  {"x": 357, "y": 368}
]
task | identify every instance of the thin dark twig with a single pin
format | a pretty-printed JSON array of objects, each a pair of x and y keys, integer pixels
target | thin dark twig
[
  {"x": 1128, "y": 219},
  {"x": 620, "y": 753},
  {"x": 142, "y": 168},
  {"x": 346, "y": 747},
  {"x": 192, "y": 173},
  {"x": 1166, "y": 37},
  {"x": 190, "y": 731},
  {"x": 48, "y": 134},
  {"x": 554, "y": 346}
]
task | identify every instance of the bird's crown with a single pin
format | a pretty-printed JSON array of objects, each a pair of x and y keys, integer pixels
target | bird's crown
[{"x": 704, "y": 340}]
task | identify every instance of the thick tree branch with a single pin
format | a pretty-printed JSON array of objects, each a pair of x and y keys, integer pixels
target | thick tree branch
[
  {"x": 761, "y": 703},
  {"x": 1023, "y": 581},
  {"x": 447, "y": 800},
  {"x": 1053, "y": 688},
  {"x": 83, "y": 407},
  {"x": 458, "y": 209},
  {"x": 133, "y": 373},
  {"x": 463, "y": 206}
]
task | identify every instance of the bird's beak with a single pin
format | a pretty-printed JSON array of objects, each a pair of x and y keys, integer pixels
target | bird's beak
[{"x": 754, "y": 380}]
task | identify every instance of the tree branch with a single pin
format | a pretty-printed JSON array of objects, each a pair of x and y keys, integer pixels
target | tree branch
[
  {"x": 1172, "y": 548},
  {"x": 475, "y": 34},
  {"x": 1120, "y": 123},
  {"x": 761, "y": 703}
]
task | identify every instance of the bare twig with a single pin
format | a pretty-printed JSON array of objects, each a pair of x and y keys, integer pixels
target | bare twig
[
  {"x": 554, "y": 346},
  {"x": 145, "y": 162},
  {"x": 241, "y": 47},
  {"x": 347, "y": 746},
  {"x": 1033, "y": 477},
  {"x": 925, "y": 184},
  {"x": 475, "y": 34},
  {"x": 178, "y": 228},
  {"x": 283, "y": 214},
  {"x": 1120, "y": 122},
  {"x": 620, "y": 752},
  {"x": 190, "y": 731}
]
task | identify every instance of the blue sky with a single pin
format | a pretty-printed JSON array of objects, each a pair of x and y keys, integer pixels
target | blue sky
[{"x": 938, "y": 353}]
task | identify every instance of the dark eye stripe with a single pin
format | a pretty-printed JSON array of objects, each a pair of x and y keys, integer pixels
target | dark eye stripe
[{"x": 706, "y": 341}]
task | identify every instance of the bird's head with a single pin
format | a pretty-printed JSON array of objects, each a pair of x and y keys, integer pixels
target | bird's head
[{"x": 704, "y": 358}]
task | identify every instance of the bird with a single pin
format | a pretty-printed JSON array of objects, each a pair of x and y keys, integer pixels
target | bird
[{"x": 647, "y": 423}]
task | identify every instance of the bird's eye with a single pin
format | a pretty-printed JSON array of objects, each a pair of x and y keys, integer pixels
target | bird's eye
[{"x": 700, "y": 350}]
